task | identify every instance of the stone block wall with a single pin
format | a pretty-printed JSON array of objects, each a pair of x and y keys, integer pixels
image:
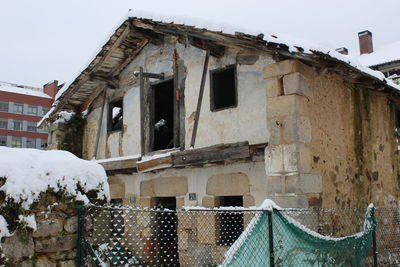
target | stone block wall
[
  {"x": 52, "y": 244},
  {"x": 287, "y": 157}
]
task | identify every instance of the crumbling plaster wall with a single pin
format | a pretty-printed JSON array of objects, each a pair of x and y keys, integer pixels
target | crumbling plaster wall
[
  {"x": 331, "y": 142},
  {"x": 247, "y": 179},
  {"x": 241, "y": 123}
]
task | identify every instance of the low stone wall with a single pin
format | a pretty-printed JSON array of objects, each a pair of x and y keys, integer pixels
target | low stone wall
[{"x": 52, "y": 244}]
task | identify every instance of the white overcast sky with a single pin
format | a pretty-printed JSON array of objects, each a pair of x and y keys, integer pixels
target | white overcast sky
[{"x": 46, "y": 40}]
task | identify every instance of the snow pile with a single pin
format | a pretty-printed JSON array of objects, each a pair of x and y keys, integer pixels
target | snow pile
[
  {"x": 28, "y": 221},
  {"x": 64, "y": 116},
  {"x": 385, "y": 54},
  {"x": 3, "y": 228},
  {"x": 30, "y": 172}
]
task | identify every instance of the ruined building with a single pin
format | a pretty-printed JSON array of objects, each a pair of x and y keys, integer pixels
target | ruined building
[{"x": 182, "y": 116}]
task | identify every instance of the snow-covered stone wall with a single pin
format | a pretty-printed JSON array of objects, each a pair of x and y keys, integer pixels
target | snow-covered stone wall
[{"x": 39, "y": 191}]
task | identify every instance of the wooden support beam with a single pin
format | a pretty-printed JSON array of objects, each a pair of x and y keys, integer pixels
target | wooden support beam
[
  {"x": 200, "y": 99},
  {"x": 96, "y": 146},
  {"x": 112, "y": 82},
  {"x": 211, "y": 154},
  {"x": 215, "y": 50},
  {"x": 150, "y": 35},
  {"x": 129, "y": 59},
  {"x": 157, "y": 163}
]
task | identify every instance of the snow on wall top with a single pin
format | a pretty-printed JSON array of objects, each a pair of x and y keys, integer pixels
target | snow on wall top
[
  {"x": 385, "y": 54},
  {"x": 22, "y": 89},
  {"x": 30, "y": 172}
]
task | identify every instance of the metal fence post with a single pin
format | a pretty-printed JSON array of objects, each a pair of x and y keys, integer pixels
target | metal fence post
[
  {"x": 374, "y": 241},
  {"x": 271, "y": 240},
  {"x": 80, "y": 233}
]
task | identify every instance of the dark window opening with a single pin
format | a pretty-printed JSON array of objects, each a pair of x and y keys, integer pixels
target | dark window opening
[
  {"x": 167, "y": 237},
  {"x": 116, "y": 116},
  {"x": 163, "y": 115},
  {"x": 230, "y": 223},
  {"x": 117, "y": 218},
  {"x": 223, "y": 88}
]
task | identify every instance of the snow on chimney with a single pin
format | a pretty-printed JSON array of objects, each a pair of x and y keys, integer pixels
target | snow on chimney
[
  {"x": 51, "y": 89},
  {"x": 365, "y": 40},
  {"x": 343, "y": 50}
]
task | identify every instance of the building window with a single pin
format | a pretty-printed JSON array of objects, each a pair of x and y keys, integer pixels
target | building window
[
  {"x": 33, "y": 110},
  {"x": 3, "y": 140},
  {"x": 115, "y": 116},
  {"x": 230, "y": 223},
  {"x": 31, "y": 143},
  {"x": 16, "y": 142},
  {"x": 31, "y": 126},
  {"x": 3, "y": 123},
  {"x": 17, "y": 125},
  {"x": 162, "y": 117},
  {"x": 3, "y": 106},
  {"x": 223, "y": 91},
  {"x": 45, "y": 110},
  {"x": 18, "y": 108},
  {"x": 43, "y": 143}
]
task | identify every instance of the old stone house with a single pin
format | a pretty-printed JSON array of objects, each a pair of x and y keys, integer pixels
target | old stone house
[{"x": 182, "y": 116}]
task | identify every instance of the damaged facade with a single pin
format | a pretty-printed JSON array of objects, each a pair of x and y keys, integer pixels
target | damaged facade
[{"x": 181, "y": 116}]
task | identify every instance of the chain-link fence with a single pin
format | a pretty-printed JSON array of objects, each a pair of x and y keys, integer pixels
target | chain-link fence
[{"x": 124, "y": 236}]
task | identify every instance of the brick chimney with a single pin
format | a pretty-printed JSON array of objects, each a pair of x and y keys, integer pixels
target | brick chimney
[
  {"x": 343, "y": 50},
  {"x": 365, "y": 40},
  {"x": 51, "y": 89}
]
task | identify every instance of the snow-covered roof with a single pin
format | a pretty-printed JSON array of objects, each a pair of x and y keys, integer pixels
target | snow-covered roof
[
  {"x": 22, "y": 89},
  {"x": 296, "y": 48},
  {"x": 30, "y": 172},
  {"x": 385, "y": 54}
]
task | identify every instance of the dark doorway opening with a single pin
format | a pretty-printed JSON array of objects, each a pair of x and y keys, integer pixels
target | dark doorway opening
[
  {"x": 163, "y": 115},
  {"x": 230, "y": 223},
  {"x": 167, "y": 237}
]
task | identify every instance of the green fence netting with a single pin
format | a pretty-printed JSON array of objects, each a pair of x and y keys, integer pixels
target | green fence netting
[{"x": 288, "y": 243}]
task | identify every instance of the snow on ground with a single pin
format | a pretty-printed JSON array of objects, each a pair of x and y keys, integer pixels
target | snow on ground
[
  {"x": 384, "y": 54},
  {"x": 23, "y": 90},
  {"x": 29, "y": 172}
]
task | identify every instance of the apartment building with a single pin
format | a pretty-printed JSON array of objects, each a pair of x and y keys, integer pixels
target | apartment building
[{"x": 21, "y": 107}]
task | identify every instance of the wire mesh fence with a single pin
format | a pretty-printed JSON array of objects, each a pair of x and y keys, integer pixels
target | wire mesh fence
[{"x": 124, "y": 236}]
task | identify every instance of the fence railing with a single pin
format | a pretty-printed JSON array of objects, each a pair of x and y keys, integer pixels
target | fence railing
[{"x": 124, "y": 236}]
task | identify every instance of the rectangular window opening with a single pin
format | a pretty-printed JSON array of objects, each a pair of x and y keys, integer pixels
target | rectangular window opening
[
  {"x": 33, "y": 110},
  {"x": 223, "y": 88},
  {"x": 18, "y": 108},
  {"x": 163, "y": 115},
  {"x": 31, "y": 127},
  {"x": 166, "y": 231},
  {"x": 3, "y": 140},
  {"x": 3, "y": 106},
  {"x": 116, "y": 115},
  {"x": 16, "y": 142},
  {"x": 3, "y": 123},
  {"x": 17, "y": 125},
  {"x": 230, "y": 223},
  {"x": 31, "y": 143}
]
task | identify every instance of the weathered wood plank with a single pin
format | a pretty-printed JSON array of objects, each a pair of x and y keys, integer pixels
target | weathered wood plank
[
  {"x": 200, "y": 99},
  {"x": 119, "y": 164},
  {"x": 211, "y": 154},
  {"x": 153, "y": 164}
]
